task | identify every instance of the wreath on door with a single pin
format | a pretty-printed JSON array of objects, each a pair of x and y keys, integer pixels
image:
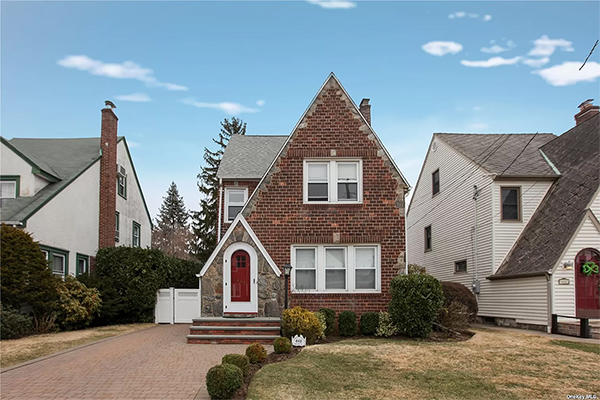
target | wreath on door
[{"x": 589, "y": 268}]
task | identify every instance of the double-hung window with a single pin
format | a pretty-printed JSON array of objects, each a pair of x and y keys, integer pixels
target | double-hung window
[
  {"x": 511, "y": 203},
  {"x": 121, "y": 181},
  {"x": 9, "y": 187},
  {"x": 83, "y": 264},
  {"x": 135, "y": 242},
  {"x": 332, "y": 181},
  {"x": 435, "y": 182},
  {"x": 58, "y": 259},
  {"x": 336, "y": 268},
  {"x": 234, "y": 202}
]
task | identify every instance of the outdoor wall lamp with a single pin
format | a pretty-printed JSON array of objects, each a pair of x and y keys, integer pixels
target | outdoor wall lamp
[{"x": 567, "y": 265}]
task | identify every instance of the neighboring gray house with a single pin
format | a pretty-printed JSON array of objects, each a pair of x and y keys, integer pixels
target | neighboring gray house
[{"x": 532, "y": 227}]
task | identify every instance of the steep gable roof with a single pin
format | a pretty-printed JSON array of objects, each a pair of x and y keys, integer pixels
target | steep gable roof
[
  {"x": 477, "y": 148},
  {"x": 249, "y": 156},
  {"x": 576, "y": 154}
]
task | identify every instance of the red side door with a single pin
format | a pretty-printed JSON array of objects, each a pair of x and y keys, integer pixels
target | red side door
[
  {"x": 587, "y": 287},
  {"x": 240, "y": 276}
]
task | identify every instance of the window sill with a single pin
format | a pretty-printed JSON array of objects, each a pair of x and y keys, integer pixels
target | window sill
[
  {"x": 120, "y": 195},
  {"x": 427, "y": 251},
  {"x": 336, "y": 292}
]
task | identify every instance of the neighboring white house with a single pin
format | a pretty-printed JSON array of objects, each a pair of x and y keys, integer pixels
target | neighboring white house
[
  {"x": 52, "y": 189},
  {"x": 522, "y": 243}
]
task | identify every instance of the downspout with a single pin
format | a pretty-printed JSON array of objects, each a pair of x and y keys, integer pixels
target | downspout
[
  {"x": 220, "y": 200},
  {"x": 476, "y": 287},
  {"x": 550, "y": 280}
]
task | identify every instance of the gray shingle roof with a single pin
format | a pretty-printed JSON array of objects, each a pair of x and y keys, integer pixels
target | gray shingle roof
[
  {"x": 477, "y": 147},
  {"x": 249, "y": 156},
  {"x": 63, "y": 158},
  {"x": 576, "y": 154}
]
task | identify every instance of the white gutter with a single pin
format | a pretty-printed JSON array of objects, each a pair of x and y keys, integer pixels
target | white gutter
[{"x": 220, "y": 198}]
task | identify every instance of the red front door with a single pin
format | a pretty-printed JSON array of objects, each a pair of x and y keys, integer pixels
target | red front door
[
  {"x": 240, "y": 276},
  {"x": 587, "y": 289}
]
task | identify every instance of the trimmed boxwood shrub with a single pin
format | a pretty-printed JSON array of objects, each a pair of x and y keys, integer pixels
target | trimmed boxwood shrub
[
  {"x": 223, "y": 380},
  {"x": 256, "y": 353},
  {"x": 416, "y": 302},
  {"x": 242, "y": 361},
  {"x": 459, "y": 293},
  {"x": 13, "y": 324},
  {"x": 329, "y": 320},
  {"x": 298, "y": 321},
  {"x": 369, "y": 322},
  {"x": 282, "y": 345},
  {"x": 347, "y": 323}
]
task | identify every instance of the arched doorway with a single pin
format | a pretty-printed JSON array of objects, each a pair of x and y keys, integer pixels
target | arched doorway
[
  {"x": 587, "y": 285},
  {"x": 240, "y": 276}
]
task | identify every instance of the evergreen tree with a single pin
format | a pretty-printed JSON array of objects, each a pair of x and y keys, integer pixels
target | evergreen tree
[
  {"x": 204, "y": 222},
  {"x": 171, "y": 232}
]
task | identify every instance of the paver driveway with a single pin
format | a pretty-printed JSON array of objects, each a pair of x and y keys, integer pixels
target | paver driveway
[{"x": 156, "y": 363}]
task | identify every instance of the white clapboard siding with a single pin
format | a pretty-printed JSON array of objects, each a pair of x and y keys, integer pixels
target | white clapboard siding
[
  {"x": 595, "y": 207},
  {"x": 506, "y": 233},
  {"x": 452, "y": 219},
  {"x": 523, "y": 299},
  {"x": 564, "y": 295}
]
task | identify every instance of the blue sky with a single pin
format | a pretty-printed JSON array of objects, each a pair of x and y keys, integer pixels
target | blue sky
[{"x": 175, "y": 70}]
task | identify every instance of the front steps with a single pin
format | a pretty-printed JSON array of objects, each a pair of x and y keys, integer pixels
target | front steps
[{"x": 218, "y": 330}]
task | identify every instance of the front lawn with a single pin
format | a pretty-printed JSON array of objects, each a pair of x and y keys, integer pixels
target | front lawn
[
  {"x": 498, "y": 365},
  {"x": 28, "y": 348}
]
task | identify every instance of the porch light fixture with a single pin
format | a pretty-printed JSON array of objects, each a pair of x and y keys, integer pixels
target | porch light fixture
[
  {"x": 568, "y": 265},
  {"x": 287, "y": 270}
]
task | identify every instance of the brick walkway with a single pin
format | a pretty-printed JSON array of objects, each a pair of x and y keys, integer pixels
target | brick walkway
[{"x": 156, "y": 363}]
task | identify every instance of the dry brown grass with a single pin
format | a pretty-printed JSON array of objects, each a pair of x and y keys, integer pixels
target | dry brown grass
[
  {"x": 28, "y": 348},
  {"x": 493, "y": 364}
]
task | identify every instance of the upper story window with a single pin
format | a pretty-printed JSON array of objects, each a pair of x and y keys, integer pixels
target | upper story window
[
  {"x": 121, "y": 181},
  {"x": 9, "y": 187},
  {"x": 510, "y": 203},
  {"x": 330, "y": 181},
  {"x": 336, "y": 268},
  {"x": 136, "y": 239},
  {"x": 117, "y": 226},
  {"x": 435, "y": 182},
  {"x": 235, "y": 198},
  {"x": 428, "y": 238}
]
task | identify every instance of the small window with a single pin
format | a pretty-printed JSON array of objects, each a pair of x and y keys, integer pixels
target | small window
[
  {"x": 347, "y": 181},
  {"x": 136, "y": 235},
  {"x": 365, "y": 268},
  {"x": 306, "y": 269},
  {"x": 234, "y": 202},
  {"x": 511, "y": 207},
  {"x": 122, "y": 183},
  {"x": 117, "y": 226},
  {"x": 58, "y": 259},
  {"x": 318, "y": 181},
  {"x": 428, "y": 238},
  {"x": 83, "y": 263},
  {"x": 435, "y": 182},
  {"x": 460, "y": 266},
  {"x": 335, "y": 268},
  {"x": 9, "y": 186}
]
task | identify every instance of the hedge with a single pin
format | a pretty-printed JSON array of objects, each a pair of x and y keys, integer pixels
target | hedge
[
  {"x": 347, "y": 323},
  {"x": 459, "y": 293}
]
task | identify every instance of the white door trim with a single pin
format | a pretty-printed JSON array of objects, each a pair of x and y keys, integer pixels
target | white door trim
[{"x": 237, "y": 306}]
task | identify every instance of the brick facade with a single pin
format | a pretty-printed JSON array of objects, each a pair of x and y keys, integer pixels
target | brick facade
[
  {"x": 333, "y": 128},
  {"x": 251, "y": 185},
  {"x": 108, "y": 179}
]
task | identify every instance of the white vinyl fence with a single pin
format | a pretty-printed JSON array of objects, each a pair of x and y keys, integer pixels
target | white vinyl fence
[{"x": 175, "y": 306}]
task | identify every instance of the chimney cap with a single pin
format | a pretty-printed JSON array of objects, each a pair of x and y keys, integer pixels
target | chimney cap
[
  {"x": 365, "y": 102},
  {"x": 585, "y": 104},
  {"x": 109, "y": 104}
]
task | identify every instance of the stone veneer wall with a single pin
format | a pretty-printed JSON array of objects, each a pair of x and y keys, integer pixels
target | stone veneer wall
[{"x": 270, "y": 287}]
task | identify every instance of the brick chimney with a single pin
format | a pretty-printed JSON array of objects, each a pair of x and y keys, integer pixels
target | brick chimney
[
  {"x": 365, "y": 110},
  {"x": 586, "y": 111},
  {"x": 108, "y": 178}
]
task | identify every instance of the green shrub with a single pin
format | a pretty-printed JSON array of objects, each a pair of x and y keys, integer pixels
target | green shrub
[
  {"x": 77, "y": 304},
  {"x": 386, "y": 327},
  {"x": 347, "y": 323},
  {"x": 282, "y": 345},
  {"x": 457, "y": 292},
  {"x": 329, "y": 319},
  {"x": 242, "y": 361},
  {"x": 369, "y": 322},
  {"x": 223, "y": 380},
  {"x": 454, "y": 317},
  {"x": 298, "y": 321},
  {"x": 416, "y": 269},
  {"x": 256, "y": 353},
  {"x": 25, "y": 277},
  {"x": 13, "y": 324},
  {"x": 321, "y": 317},
  {"x": 416, "y": 302},
  {"x": 182, "y": 273}
]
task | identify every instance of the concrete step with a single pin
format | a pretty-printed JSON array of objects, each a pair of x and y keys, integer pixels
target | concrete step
[
  {"x": 247, "y": 322},
  {"x": 234, "y": 330},
  {"x": 231, "y": 339}
]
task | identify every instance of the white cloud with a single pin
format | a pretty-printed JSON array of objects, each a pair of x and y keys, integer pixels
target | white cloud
[
  {"x": 536, "y": 63},
  {"x": 458, "y": 14},
  {"x": 545, "y": 46},
  {"x": 136, "y": 97},
  {"x": 226, "y": 107},
  {"x": 333, "y": 3},
  {"x": 442, "y": 48},
  {"x": 568, "y": 73},
  {"x": 125, "y": 70},
  {"x": 462, "y": 14},
  {"x": 487, "y": 17},
  {"x": 495, "y": 49},
  {"x": 260, "y": 103},
  {"x": 492, "y": 62}
]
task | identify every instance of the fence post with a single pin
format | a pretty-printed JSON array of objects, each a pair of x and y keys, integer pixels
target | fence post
[
  {"x": 584, "y": 328},
  {"x": 554, "y": 323},
  {"x": 172, "y": 293}
]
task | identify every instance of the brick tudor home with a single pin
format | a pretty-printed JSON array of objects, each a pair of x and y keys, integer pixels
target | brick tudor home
[{"x": 327, "y": 199}]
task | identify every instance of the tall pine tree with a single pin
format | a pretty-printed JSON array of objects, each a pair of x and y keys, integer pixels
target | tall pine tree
[
  {"x": 171, "y": 233},
  {"x": 204, "y": 222}
]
